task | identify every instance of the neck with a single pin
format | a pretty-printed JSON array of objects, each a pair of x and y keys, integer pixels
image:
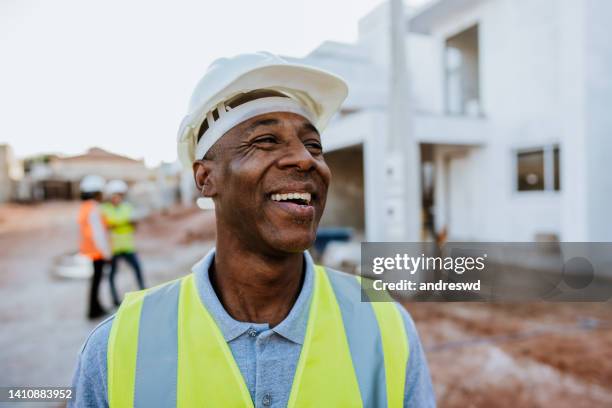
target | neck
[{"x": 253, "y": 287}]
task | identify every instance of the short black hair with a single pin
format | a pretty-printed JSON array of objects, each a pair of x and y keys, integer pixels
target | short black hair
[{"x": 89, "y": 195}]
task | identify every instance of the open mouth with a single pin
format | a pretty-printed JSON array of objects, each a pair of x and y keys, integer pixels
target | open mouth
[
  {"x": 298, "y": 205},
  {"x": 294, "y": 198}
]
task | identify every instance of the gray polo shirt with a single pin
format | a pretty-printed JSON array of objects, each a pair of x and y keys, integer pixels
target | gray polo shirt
[{"x": 267, "y": 357}]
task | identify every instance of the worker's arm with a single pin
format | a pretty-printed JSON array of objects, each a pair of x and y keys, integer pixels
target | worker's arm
[
  {"x": 107, "y": 215},
  {"x": 89, "y": 379},
  {"x": 120, "y": 218},
  {"x": 419, "y": 390},
  {"x": 99, "y": 233}
]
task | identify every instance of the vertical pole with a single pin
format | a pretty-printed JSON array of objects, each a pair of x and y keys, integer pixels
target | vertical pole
[{"x": 403, "y": 206}]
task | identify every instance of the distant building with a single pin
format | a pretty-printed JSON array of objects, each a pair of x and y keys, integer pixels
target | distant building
[
  {"x": 9, "y": 172},
  {"x": 57, "y": 177},
  {"x": 5, "y": 173},
  {"x": 511, "y": 112}
]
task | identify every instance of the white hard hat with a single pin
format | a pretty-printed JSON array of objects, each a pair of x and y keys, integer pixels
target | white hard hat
[
  {"x": 116, "y": 187},
  {"x": 92, "y": 184},
  {"x": 308, "y": 91}
]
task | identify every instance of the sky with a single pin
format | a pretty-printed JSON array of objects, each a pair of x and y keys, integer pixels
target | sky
[{"x": 118, "y": 74}]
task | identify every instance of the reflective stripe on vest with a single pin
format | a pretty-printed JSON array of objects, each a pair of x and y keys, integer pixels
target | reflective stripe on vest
[{"x": 166, "y": 350}]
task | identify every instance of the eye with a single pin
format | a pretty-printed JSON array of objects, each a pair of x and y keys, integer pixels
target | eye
[
  {"x": 265, "y": 139},
  {"x": 313, "y": 145}
]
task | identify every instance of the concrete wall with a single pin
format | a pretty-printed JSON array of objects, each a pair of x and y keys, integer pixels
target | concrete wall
[
  {"x": 424, "y": 60},
  {"x": 519, "y": 47},
  {"x": 545, "y": 79},
  {"x": 598, "y": 112}
]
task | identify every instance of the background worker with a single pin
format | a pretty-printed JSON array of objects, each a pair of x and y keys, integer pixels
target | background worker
[
  {"x": 94, "y": 240},
  {"x": 119, "y": 218}
]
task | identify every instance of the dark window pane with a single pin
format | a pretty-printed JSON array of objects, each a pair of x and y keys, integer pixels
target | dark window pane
[
  {"x": 462, "y": 73},
  {"x": 531, "y": 171},
  {"x": 557, "y": 178}
]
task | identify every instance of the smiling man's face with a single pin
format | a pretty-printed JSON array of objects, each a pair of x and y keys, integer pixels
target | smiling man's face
[{"x": 269, "y": 181}]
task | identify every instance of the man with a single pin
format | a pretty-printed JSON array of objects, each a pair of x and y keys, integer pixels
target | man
[
  {"x": 94, "y": 241},
  {"x": 257, "y": 323},
  {"x": 119, "y": 219}
]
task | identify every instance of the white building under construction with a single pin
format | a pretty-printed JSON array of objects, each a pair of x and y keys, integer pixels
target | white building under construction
[{"x": 511, "y": 114}]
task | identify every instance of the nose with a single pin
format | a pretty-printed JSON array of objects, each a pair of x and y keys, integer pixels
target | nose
[{"x": 298, "y": 157}]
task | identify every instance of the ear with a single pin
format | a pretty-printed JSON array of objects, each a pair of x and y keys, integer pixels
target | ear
[{"x": 203, "y": 173}]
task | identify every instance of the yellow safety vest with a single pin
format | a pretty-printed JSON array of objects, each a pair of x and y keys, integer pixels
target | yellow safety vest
[
  {"x": 165, "y": 350},
  {"x": 118, "y": 219}
]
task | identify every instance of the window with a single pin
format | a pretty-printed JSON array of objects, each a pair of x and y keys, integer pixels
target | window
[
  {"x": 538, "y": 169},
  {"x": 461, "y": 66},
  {"x": 531, "y": 171}
]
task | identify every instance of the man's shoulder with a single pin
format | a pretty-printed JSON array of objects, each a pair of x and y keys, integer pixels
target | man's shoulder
[
  {"x": 93, "y": 356},
  {"x": 90, "y": 376},
  {"x": 345, "y": 276},
  {"x": 349, "y": 285},
  {"x": 97, "y": 339},
  {"x": 342, "y": 281},
  {"x": 337, "y": 272}
]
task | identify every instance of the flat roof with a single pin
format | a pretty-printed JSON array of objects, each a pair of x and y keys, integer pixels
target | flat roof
[{"x": 423, "y": 19}]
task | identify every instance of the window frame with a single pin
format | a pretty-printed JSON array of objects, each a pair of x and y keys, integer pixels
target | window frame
[{"x": 549, "y": 168}]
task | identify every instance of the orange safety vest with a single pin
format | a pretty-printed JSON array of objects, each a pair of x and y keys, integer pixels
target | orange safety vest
[{"x": 88, "y": 246}]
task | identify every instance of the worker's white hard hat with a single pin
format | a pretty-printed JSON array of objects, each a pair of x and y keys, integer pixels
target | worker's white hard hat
[
  {"x": 116, "y": 187},
  {"x": 92, "y": 184},
  {"x": 308, "y": 91}
]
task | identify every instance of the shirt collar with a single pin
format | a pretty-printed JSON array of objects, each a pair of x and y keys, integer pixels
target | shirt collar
[{"x": 293, "y": 326}]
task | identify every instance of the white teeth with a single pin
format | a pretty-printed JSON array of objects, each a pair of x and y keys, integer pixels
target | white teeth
[{"x": 292, "y": 196}]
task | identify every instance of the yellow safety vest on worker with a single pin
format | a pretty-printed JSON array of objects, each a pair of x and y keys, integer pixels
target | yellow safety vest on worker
[
  {"x": 165, "y": 349},
  {"x": 119, "y": 219}
]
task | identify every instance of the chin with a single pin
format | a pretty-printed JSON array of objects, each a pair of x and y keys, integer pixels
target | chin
[{"x": 292, "y": 242}]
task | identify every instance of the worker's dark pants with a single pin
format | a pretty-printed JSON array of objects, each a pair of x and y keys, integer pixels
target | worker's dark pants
[
  {"x": 132, "y": 259},
  {"x": 95, "y": 309}
]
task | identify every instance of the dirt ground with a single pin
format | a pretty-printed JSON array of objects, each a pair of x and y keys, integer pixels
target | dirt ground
[
  {"x": 528, "y": 355},
  {"x": 480, "y": 355}
]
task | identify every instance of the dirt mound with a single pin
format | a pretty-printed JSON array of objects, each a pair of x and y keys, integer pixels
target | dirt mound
[{"x": 178, "y": 225}]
